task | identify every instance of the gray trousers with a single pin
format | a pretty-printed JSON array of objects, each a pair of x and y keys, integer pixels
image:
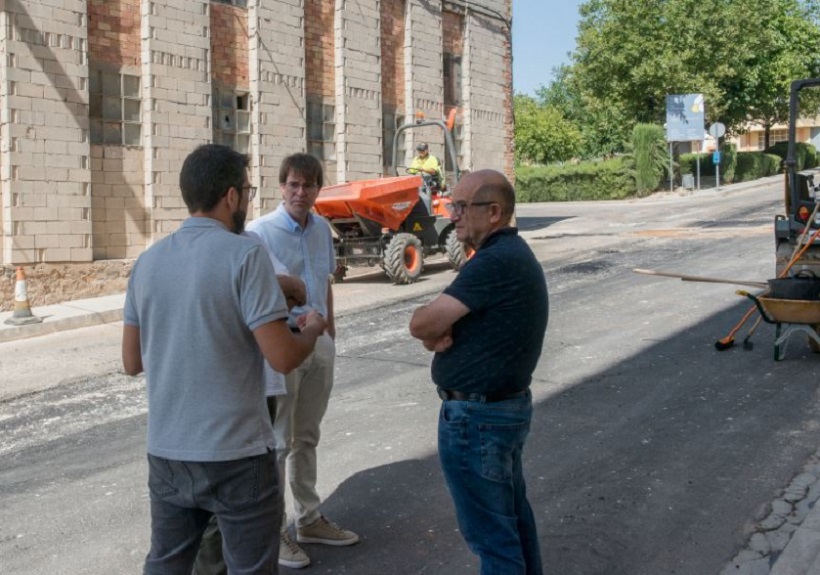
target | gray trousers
[
  {"x": 209, "y": 558},
  {"x": 243, "y": 495}
]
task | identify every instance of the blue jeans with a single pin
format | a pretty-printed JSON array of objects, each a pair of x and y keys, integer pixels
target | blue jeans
[
  {"x": 242, "y": 494},
  {"x": 480, "y": 447}
]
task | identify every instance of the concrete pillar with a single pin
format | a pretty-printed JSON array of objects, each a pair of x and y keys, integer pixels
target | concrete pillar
[
  {"x": 45, "y": 172},
  {"x": 358, "y": 90},
  {"x": 176, "y": 64}
]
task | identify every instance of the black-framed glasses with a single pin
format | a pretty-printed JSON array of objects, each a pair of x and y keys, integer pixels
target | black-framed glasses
[
  {"x": 251, "y": 191},
  {"x": 294, "y": 186},
  {"x": 458, "y": 208}
]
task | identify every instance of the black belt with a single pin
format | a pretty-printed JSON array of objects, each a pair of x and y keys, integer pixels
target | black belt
[{"x": 493, "y": 397}]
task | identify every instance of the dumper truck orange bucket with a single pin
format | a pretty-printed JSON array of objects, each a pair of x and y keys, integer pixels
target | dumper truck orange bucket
[{"x": 387, "y": 201}]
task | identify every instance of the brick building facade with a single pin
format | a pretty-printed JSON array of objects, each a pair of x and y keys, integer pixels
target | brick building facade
[{"x": 101, "y": 100}]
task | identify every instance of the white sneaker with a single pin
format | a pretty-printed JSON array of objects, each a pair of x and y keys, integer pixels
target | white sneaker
[{"x": 290, "y": 554}]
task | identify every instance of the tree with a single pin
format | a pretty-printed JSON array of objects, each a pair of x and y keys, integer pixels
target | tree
[
  {"x": 602, "y": 126},
  {"x": 542, "y": 133},
  {"x": 740, "y": 54},
  {"x": 789, "y": 27},
  {"x": 562, "y": 93},
  {"x": 648, "y": 157}
]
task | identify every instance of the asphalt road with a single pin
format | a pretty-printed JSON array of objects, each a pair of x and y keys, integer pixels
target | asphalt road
[{"x": 651, "y": 453}]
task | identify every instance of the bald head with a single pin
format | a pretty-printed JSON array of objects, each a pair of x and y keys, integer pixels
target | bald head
[{"x": 492, "y": 186}]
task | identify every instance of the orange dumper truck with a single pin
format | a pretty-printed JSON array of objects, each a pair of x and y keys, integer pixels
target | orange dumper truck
[{"x": 393, "y": 222}]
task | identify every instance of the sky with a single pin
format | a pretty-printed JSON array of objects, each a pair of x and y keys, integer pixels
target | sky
[{"x": 543, "y": 34}]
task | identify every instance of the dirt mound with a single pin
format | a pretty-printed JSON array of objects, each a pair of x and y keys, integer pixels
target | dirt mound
[{"x": 48, "y": 284}]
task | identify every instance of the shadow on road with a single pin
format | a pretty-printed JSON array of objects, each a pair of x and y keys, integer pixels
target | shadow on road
[
  {"x": 375, "y": 275},
  {"x": 404, "y": 515},
  {"x": 653, "y": 465},
  {"x": 526, "y": 224}
]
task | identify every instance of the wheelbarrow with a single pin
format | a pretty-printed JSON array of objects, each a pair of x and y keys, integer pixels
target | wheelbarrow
[{"x": 788, "y": 316}]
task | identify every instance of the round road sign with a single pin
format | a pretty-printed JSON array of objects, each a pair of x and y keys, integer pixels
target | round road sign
[{"x": 717, "y": 130}]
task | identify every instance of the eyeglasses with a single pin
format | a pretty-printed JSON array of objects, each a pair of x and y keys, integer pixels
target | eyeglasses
[
  {"x": 251, "y": 191},
  {"x": 294, "y": 187},
  {"x": 459, "y": 208}
]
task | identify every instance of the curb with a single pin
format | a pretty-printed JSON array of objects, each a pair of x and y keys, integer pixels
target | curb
[
  {"x": 802, "y": 554},
  {"x": 61, "y": 317}
]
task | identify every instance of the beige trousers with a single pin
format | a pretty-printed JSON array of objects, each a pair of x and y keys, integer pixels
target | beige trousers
[{"x": 297, "y": 428}]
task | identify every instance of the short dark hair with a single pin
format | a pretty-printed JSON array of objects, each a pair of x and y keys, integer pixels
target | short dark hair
[
  {"x": 303, "y": 165},
  {"x": 498, "y": 190},
  {"x": 208, "y": 173},
  {"x": 421, "y": 147}
]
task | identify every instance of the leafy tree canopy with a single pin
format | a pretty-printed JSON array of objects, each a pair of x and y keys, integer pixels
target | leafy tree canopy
[
  {"x": 741, "y": 54},
  {"x": 542, "y": 133}
]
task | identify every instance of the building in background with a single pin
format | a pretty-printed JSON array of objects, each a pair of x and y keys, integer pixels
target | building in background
[
  {"x": 101, "y": 100},
  {"x": 806, "y": 131}
]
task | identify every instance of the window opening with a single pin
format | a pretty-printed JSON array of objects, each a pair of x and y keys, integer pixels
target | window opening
[
  {"x": 321, "y": 129},
  {"x": 390, "y": 123},
  {"x": 115, "y": 108},
  {"x": 237, "y": 3},
  {"x": 232, "y": 119}
]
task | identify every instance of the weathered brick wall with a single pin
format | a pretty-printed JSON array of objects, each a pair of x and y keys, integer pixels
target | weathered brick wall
[
  {"x": 45, "y": 174},
  {"x": 320, "y": 66},
  {"x": 118, "y": 216},
  {"x": 120, "y": 221},
  {"x": 229, "y": 45},
  {"x": 177, "y": 106},
  {"x": 486, "y": 75},
  {"x": 362, "y": 56},
  {"x": 392, "y": 42},
  {"x": 452, "y": 24},
  {"x": 114, "y": 32},
  {"x": 320, "y": 47},
  {"x": 277, "y": 67}
]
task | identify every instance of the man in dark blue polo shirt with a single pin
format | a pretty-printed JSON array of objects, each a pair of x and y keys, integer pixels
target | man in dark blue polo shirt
[{"x": 487, "y": 330}]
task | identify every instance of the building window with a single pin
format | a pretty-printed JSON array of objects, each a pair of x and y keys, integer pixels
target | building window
[
  {"x": 775, "y": 136},
  {"x": 452, "y": 79},
  {"x": 321, "y": 130},
  {"x": 115, "y": 108},
  {"x": 239, "y": 3},
  {"x": 390, "y": 123},
  {"x": 232, "y": 119}
]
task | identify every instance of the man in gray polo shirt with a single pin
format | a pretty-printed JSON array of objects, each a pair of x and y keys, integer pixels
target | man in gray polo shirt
[{"x": 201, "y": 304}]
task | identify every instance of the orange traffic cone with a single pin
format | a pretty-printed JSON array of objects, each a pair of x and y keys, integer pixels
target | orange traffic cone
[{"x": 22, "y": 310}]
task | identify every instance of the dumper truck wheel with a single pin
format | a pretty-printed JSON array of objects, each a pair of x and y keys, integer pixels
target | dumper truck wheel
[
  {"x": 456, "y": 252},
  {"x": 403, "y": 259}
]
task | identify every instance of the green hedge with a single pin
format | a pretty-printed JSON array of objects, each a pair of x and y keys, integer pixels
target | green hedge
[
  {"x": 734, "y": 166},
  {"x": 604, "y": 180},
  {"x": 806, "y": 154},
  {"x": 754, "y": 165},
  {"x": 728, "y": 163},
  {"x": 615, "y": 179},
  {"x": 688, "y": 164}
]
